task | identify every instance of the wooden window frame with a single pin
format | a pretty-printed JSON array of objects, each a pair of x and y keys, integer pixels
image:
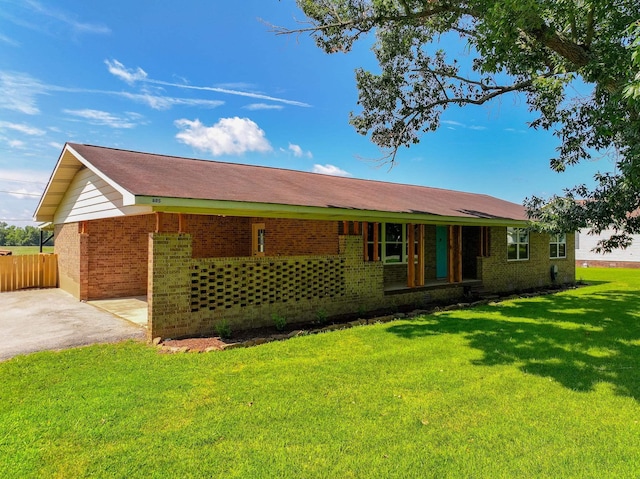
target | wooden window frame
[
  {"x": 485, "y": 241},
  {"x": 378, "y": 241},
  {"x": 258, "y": 247}
]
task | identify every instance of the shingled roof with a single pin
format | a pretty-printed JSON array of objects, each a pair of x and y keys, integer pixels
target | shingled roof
[{"x": 196, "y": 183}]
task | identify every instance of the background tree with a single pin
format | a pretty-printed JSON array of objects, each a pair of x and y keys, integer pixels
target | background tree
[
  {"x": 536, "y": 47},
  {"x": 11, "y": 235}
]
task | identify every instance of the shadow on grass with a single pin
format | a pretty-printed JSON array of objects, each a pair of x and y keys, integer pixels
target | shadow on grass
[
  {"x": 578, "y": 341},
  {"x": 592, "y": 282}
]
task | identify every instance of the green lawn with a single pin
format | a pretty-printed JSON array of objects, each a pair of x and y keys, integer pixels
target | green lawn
[
  {"x": 539, "y": 387},
  {"x": 22, "y": 250}
]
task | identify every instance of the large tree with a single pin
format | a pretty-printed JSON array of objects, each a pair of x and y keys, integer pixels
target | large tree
[{"x": 535, "y": 47}]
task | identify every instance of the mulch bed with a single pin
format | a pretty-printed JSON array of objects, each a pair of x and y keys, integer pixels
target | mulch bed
[{"x": 255, "y": 337}]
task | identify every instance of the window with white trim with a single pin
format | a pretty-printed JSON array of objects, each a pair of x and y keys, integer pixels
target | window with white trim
[
  {"x": 558, "y": 246},
  {"x": 392, "y": 243},
  {"x": 517, "y": 244}
]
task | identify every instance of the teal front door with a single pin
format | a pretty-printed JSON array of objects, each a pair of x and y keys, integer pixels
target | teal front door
[{"x": 441, "y": 252}]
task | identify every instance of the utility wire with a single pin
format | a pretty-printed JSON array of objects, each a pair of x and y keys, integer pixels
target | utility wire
[
  {"x": 20, "y": 193},
  {"x": 23, "y": 181}
]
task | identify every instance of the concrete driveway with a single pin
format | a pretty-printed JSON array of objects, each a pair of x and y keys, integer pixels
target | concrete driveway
[{"x": 43, "y": 319}]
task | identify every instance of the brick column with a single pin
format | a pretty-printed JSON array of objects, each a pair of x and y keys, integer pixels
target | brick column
[{"x": 169, "y": 287}]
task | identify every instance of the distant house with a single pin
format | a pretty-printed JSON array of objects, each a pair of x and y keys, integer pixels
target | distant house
[
  {"x": 207, "y": 241},
  {"x": 619, "y": 258}
]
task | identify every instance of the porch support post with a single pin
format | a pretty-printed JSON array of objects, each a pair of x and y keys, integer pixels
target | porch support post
[
  {"x": 484, "y": 241},
  {"x": 455, "y": 254},
  {"x": 158, "y": 222},
  {"x": 459, "y": 256},
  {"x": 411, "y": 249},
  {"x": 420, "y": 271},
  {"x": 181, "y": 223},
  {"x": 83, "y": 253},
  {"x": 376, "y": 240},
  {"x": 365, "y": 241}
]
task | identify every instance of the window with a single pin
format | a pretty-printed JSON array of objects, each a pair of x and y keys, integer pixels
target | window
[
  {"x": 392, "y": 243},
  {"x": 517, "y": 244},
  {"x": 558, "y": 246},
  {"x": 257, "y": 239}
]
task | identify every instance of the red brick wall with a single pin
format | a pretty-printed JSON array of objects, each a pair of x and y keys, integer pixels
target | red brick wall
[
  {"x": 118, "y": 249},
  {"x": 218, "y": 236},
  {"x": 288, "y": 237},
  {"x": 115, "y": 262}
]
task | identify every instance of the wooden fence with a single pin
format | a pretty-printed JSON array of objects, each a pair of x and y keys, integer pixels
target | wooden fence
[{"x": 28, "y": 271}]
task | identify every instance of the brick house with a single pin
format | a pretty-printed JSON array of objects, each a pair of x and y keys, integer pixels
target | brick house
[{"x": 207, "y": 241}]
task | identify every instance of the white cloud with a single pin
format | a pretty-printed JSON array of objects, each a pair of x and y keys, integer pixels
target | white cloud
[
  {"x": 56, "y": 145},
  {"x": 262, "y": 106},
  {"x": 158, "y": 102},
  {"x": 451, "y": 122},
  {"x": 130, "y": 76},
  {"x": 298, "y": 152},
  {"x": 8, "y": 41},
  {"x": 230, "y": 136},
  {"x": 461, "y": 125},
  {"x": 18, "y": 92},
  {"x": 22, "y": 128},
  {"x": 330, "y": 170},
  {"x": 35, "y": 16},
  {"x": 24, "y": 193},
  {"x": 23, "y": 184},
  {"x": 25, "y": 176},
  {"x": 119, "y": 70},
  {"x": 103, "y": 118},
  {"x": 66, "y": 19},
  {"x": 16, "y": 144}
]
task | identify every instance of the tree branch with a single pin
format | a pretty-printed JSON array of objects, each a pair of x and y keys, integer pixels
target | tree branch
[
  {"x": 588, "y": 38},
  {"x": 370, "y": 22},
  {"x": 571, "y": 51}
]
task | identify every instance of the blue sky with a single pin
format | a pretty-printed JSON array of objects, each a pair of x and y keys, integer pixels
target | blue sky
[{"x": 210, "y": 80}]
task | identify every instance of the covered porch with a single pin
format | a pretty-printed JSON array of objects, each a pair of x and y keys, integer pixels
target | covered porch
[{"x": 424, "y": 256}]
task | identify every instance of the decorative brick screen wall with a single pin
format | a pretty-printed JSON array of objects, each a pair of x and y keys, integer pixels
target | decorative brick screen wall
[
  {"x": 233, "y": 282},
  {"x": 190, "y": 296}
]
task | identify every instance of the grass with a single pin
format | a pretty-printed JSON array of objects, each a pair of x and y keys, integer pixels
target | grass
[
  {"x": 23, "y": 250},
  {"x": 538, "y": 387}
]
